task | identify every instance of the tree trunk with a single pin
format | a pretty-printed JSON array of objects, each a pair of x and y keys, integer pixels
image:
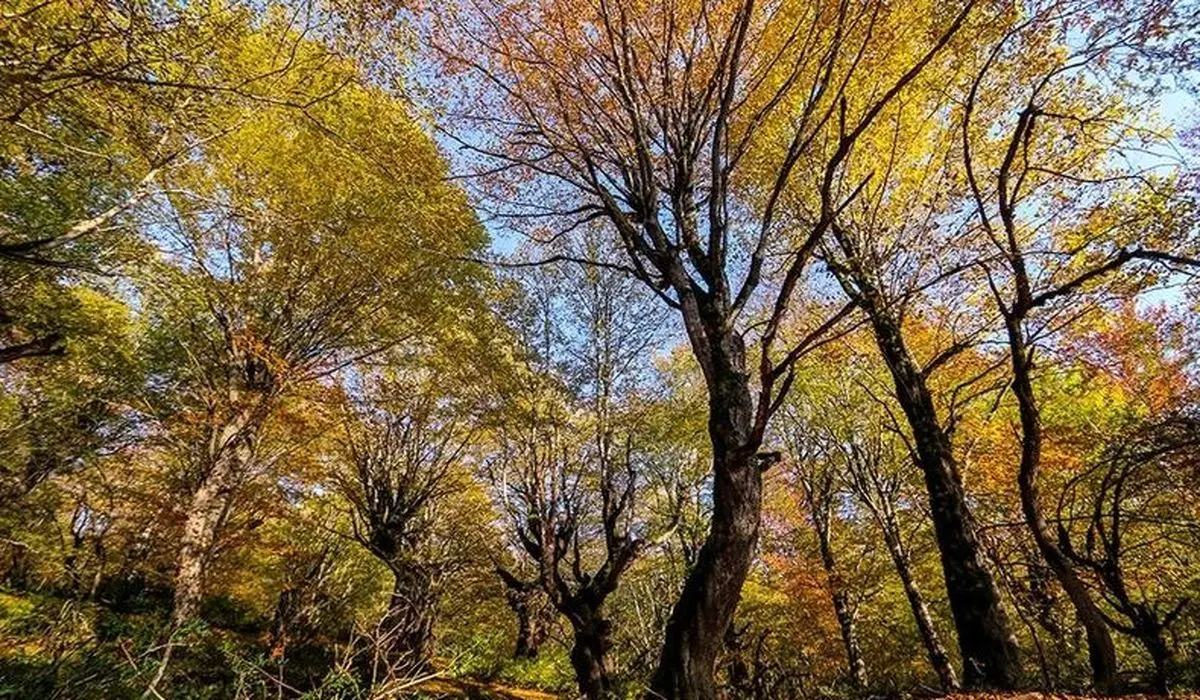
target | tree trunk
[
  {"x": 286, "y": 610},
  {"x": 854, "y": 658},
  {"x": 588, "y": 656},
  {"x": 842, "y": 608},
  {"x": 199, "y": 535},
  {"x": 527, "y": 642},
  {"x": 713, "y": 587},
  {"x": 531, "y": 628},
  {"x": 528, "y": 603},
  {"x": 101, "y": 560},
  {"x": 989, "y": 651},
  {"x": 939, "y": 659},
  {"x": 1102, "y": 655},
  {"x": 736, "y": 668},
  {"x": 407, "y": 626},
  {"x": 1160, "y": 654}
]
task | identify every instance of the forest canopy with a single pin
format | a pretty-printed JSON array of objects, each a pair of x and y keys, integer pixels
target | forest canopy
[{"x": 605, "y": 348}]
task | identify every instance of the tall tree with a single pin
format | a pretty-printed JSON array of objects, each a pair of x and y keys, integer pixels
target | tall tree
[
  {"x": 819, "y": 487},
  {"x": 647, "y": 118},
  {"x": 1063, "y": 209},
  {"x": 301, "y": 242},
  {"x": 568, "y": 471}
]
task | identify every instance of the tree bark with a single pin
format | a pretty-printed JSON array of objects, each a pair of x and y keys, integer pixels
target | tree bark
[
  {"x": 840, "y": 597},
  {"x": 939, "y": 659},
  {"x": 406, "y": 629},
  {"x": 854, "y": 657},
  {"x": 199, "y": 535},
  {"x": 588, "y": 653},
  {"x": 1102, "y": 655},
  {"x": 989, "y": 651},
  {"x": 1160, "y": 654},
  {"x": 528, "y": 602},
  {"x": 713, "y": 587},
  {"x": 531, "y": 629}
]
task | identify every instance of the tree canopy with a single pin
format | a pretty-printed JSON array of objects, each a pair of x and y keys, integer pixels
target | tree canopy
[{"x": 689, "y": 350}]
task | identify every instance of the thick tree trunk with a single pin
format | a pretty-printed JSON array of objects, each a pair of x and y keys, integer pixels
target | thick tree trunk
[
  {"x": 713, "y": 587},
  {"x": 528, "y": 602},
  {"x": 588, "y": 655},
  {"x": 1102, "y": 654},
  {"x": 939, "y": 659},
  {"x": 229, "y": 450},
  {"x": 406, "y": 631},
  {"x": 989, "y": 651}
]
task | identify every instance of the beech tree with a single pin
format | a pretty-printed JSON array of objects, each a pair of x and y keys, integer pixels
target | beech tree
[
  {"x": 647, "y": 118},
  {"x": 402, "y": 462},
  {"x": 273, "y": 278},
  {"x": 1042, "y": 255}
]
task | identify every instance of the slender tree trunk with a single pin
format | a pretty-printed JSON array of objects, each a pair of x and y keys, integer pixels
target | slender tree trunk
[
  {"x": 199, "y": 534},
  {"x": 713, "y": 587},
  {"x": 1102, "y": 655},
  {"x": 286, "y": 609},
  {"x": 527, "y": 641},
  {"x": 854, "y": 657},
  {"x": 939, "y": 659},
  {"x": 842, "y": 608},
  {"x": 71, "y": 564},
  {"x": 101, "y": 561},
  {"x": 989, "y": 651},
  {"x": 588, "y": 654}
]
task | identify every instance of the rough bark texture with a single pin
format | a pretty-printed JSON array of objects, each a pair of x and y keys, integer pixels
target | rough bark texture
[
  {"x": 588, "y": 653},
  {"x": 989, "y": 652},
  {"x": 1102, "y": 654},
  {"x": 406, "y": 630},
  {"x": 712, "y": 589}
]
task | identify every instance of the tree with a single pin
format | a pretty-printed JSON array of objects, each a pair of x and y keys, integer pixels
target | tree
[
  {"x": 867, "y": 453},
  {"x": 1062, "y": 209},
  {"x": 527, "y": 600},
  {"x": 276, "y": 277},
  {"x": 568, "y": 471},
  {"x": 816, "y": 475},
  {"x": 402, "y": 461},
  {"x": 99, "y": 102},
  {"x": 647, "y": 118},
  {"x": 1134, "y": 482}
]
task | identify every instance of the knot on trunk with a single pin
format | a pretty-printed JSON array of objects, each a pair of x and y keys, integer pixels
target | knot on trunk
[{"x": 766, "y": 460}]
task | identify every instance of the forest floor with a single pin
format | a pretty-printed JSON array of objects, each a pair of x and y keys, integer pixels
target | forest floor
[
  {"x": 1059, "y": 696},
  {"x": 475, "y": 690}
]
